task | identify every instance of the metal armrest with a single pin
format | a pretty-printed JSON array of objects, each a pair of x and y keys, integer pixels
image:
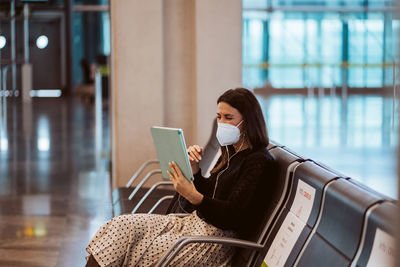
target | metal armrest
[
  {"x": 140, "y": 170},
  {"x": 149, "y": 192},
  {"x": 159, "y": 202},
  {"x": 147, "y": 177},
  {"x": 183, "y": 241}
]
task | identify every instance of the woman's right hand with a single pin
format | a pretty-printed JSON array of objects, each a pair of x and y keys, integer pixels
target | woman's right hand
[{"x": 195, "y": 153}]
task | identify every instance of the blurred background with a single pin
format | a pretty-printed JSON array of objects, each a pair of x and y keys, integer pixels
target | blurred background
[{"x": 327, "y": 74}]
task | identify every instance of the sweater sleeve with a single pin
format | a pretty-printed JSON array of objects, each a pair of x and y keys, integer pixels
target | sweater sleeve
[
  {"x": 226, "y": 214},
  {"x": 202, "y": 184}
]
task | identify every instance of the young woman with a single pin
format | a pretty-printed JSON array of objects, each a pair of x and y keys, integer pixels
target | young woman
[{"x": 229, "y": 203}]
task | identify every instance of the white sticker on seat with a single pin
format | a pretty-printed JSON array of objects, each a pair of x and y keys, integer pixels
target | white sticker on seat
[
  {"x": 383, "y": 250},
  {"x": 292, "y": 226},
  {"x": 284, "y": 241},
  {"x": 303, "y": 201}
]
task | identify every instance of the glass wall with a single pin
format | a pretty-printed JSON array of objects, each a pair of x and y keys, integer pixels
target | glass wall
[
  {"x": 332, "y": 63},
  {"x": 91, "y": 43},
  {"x": 326, "y": 43}
]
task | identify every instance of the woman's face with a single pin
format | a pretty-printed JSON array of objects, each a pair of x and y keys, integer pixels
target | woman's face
[{"x": 228, "y": 114}]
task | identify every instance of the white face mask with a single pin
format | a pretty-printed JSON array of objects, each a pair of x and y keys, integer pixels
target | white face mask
[{"x": 228, "y": 134}]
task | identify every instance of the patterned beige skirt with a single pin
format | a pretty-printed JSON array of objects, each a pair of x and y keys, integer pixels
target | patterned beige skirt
[{"x": 142, "y": 239}]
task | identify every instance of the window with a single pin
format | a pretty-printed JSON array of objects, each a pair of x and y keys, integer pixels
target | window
[{"x": 325, "y": 47}]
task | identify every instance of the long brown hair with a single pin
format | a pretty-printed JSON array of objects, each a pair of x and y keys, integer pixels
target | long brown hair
[{"x": 254, "y": 127}]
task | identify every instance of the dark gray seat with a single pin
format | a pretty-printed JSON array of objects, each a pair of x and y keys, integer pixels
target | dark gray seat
[
  {"x": 285, "y": 162},
  {"x": 335, "y": 238},
  {"x": 369, "y": 189},
  {"x": 378, "y": 235},
  {"x": 251, "y": 250},
  {"x": 299, "y": 214},
  {"x": 272, "y": 144}
]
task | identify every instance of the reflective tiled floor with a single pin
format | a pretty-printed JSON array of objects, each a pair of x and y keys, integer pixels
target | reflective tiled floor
[
  {"x": 54, "y": 184},
  {"x": 357, "y": 137}
]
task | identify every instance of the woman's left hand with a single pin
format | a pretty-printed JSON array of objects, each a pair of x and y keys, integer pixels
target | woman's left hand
[{"x": 183, "y": 186}]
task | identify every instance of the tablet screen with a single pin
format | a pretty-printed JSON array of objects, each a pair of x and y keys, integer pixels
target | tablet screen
[{"x": 170, "y": 146}]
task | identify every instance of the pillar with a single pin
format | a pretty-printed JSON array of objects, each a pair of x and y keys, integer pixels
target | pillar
[{"x": 170, "y": 60}]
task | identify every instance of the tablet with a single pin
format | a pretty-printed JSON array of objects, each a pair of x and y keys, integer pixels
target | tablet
[{"x": 170, "y": 146}]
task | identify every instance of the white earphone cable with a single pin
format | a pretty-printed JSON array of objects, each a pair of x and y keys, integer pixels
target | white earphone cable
[{"x": 227, "y": 166}]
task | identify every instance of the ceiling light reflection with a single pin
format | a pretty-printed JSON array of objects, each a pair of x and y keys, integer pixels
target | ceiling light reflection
[
  {"x": 3, "y": 144},
  {"x": 43, "y": 144},
  {"x": 46, "y": 93},
  {"x": 38, "y": 230},
  {"x": 43, "y": 141},
  {"x": 36, "y": 205}
]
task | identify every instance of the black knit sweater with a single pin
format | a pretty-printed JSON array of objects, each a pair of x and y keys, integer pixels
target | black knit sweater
[{"x": 242, "y": 194}]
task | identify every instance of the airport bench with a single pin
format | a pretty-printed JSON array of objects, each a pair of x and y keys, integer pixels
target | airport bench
[{"x": 320, "y": 217}]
